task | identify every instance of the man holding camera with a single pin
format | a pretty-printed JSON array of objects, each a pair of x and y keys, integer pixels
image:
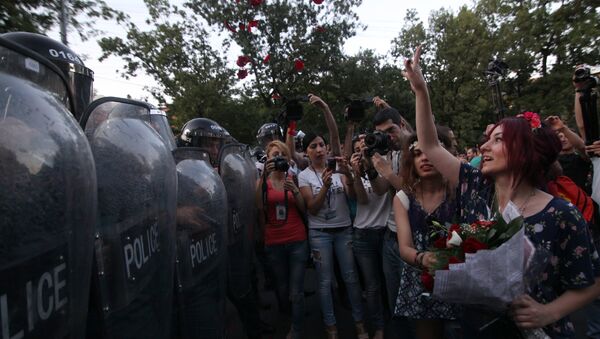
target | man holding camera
[{"x": 384, "y": 176}]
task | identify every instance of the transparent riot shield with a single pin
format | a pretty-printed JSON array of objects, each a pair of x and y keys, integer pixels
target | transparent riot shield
[
  {"x": 47, "y": 202},
  {"x": 201, "y": 267},
  {"x": 239, "y": 177},
  {"x": 134, "y": 255},
  {"x": 107, "y": 107}
]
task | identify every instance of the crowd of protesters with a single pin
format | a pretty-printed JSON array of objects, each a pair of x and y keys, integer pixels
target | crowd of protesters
[{"x": 370, "y": 214}]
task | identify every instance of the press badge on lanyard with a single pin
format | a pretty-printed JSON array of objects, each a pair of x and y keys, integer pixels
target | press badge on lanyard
[{"x": 280, "y": 212}]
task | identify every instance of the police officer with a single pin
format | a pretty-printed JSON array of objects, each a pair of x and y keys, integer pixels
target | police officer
[
  {"x": 47, "y": 199},
  {"x": 80, "y": 78},
  {"x": 204, "y": 133}
]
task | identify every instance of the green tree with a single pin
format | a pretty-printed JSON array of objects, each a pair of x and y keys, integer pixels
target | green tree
[
  {"x": 39, "y": 16},
  {"x": 190, "y": 75}
]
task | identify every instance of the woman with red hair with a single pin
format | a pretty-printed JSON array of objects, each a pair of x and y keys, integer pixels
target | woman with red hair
[{"x": 514, "y": 160}]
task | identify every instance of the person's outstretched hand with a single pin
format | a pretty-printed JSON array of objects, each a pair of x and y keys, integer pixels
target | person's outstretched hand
[
  {"x": 315, "y": 100},
  {"x": 412, "y": 72}
]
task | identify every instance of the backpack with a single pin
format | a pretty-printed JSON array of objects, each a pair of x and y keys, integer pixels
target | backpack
[{"x": 564, "y": 187}]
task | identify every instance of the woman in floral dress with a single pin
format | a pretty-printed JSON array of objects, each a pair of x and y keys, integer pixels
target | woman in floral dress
[
  {"x": 514, "y": 159},
  {"x": 425, "y": 197}
]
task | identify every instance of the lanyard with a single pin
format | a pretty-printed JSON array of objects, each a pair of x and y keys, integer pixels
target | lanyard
[{"x": 328, "y": 195}]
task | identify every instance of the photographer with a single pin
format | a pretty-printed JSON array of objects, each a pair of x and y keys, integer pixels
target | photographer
[
  {"x": 325, "y": 187},
  {"x": 384, "y": 177},
  {"x": 584, "y": 84},
  {"x": 369, "y": 228},
  {"x": 280, "y": 206}
]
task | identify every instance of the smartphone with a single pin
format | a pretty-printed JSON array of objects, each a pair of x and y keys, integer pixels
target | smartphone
[{"x": 331, "y": 164}]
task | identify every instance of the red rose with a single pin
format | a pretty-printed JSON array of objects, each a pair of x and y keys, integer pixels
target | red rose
[
  {"x": 242, "y": 73},
  {"x": 242, "y": 60},
  {"x": 298, "y": 65},
  {"x": 427, "y": 280},
  {"x": 454, "y": 260},
  {"x": 440, "y": 243},
  {"x": 242, "y": 27},
  {"x": 533, "y": 119},
  {"x": 318, "y": 2},
  {"x": 267, "y": 58},
  {"x": 472, "y": 245},
  {"x": 484, "y": 223},
  {"x": 255, "y": 2}
]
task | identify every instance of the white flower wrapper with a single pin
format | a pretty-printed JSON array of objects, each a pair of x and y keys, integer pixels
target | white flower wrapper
[{"x": 488, "y": 278}]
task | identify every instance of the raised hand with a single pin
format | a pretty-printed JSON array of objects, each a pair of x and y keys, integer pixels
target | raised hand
[
  {"x": 317, "y": 101},
  {"x": 412, "y": 72}
]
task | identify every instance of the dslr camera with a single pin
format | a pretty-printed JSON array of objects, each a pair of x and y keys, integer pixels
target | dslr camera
[
  {"x": 585, "y": 72},
  {"x": 292, "y": 109},
  {"x": 356, "y": 109},
  {"x": 281, "y": 164},
  {"x": 377, "y": 142}
]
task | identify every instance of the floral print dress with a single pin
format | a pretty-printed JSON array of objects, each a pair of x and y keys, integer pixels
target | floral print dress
[
  {"x": 411, "y": 302},
  {"x": 558, "y": 230}
]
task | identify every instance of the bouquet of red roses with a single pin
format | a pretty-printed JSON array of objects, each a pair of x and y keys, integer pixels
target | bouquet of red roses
[{"x": 482, "y": 263}]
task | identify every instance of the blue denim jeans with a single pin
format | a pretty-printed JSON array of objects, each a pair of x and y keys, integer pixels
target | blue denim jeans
[
  {"x": 368, "y": 245},
  {"x": 323, "y": 244},
  {"x": 392, "y": 268},
  {"x": 288, "y": 262}
]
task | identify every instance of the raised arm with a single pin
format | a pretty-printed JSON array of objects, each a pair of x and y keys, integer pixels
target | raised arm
[
  {"x": 558, "y": 126},
  {"x": 334, "y": 134},
  {"x": 444, "y": 161}
]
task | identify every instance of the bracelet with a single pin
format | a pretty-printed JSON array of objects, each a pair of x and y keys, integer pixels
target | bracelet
[
  {"x": 417, "y": 257},
  {"x": 420, "y": 259}
]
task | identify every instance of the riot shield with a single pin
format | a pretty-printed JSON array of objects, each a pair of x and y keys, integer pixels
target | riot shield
[
  {"x": 239, "y": 177},
  {"x": 111, "y": 107},
  {"x": 201, "y": 266},
  {"x": 132, "y": 279},
  {"x": 47, "y": 202}
]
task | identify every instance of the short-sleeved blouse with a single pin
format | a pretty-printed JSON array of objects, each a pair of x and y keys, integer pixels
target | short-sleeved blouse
[{"x": 559, "y": 229}]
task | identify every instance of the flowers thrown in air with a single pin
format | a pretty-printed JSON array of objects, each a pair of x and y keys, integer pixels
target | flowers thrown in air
[
  {"x": 533, "y": 118},
  {"x": 242, "y": 73},
  {"x": 252, "y": 24},
  {"x": 298, "y": 65},
  {"x": 266, "y": 59},
  {"x": 320, "y": 29},
  {"x": 255, "y": 2},
  {"x": 242, "y": 60},
  {"x": 318, "y": 2}
]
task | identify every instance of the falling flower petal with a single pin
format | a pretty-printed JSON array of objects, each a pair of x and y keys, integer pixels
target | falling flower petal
[
  {"x": 229, "y": 27},
  {"x": 255, "y": 2},
  {"x": 298, "y": 65},
  {"x": 242, "y": 73},
  {"x": 242, "y": 60},
  {"x": 318, "y": 2},
  {"x": 266, "y": 59}
]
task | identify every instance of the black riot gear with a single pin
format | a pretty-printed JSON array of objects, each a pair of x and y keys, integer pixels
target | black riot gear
[
  {"x": 267, "y": 133},
  {"x": 47, "y": 202},
  {"x": 80, "y": 78},
  {"x": 132, "y": 281},
  {"x": 206, "y": 134},
  {"x": 201, "y": 266}
]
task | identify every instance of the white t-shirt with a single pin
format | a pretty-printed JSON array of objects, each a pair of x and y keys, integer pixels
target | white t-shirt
[
  {"x": 375, "y": 213},
  {"x": 596, "y": 180},
  {"x": 334, "y": 211},
  {"x": 396, "y": 157}
]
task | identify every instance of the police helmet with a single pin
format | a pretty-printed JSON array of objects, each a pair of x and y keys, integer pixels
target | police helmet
[
  {"x": 80, "y": 78},
  {"x": 267, "y": 133},
  {"x": 195, "y": 131}
]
